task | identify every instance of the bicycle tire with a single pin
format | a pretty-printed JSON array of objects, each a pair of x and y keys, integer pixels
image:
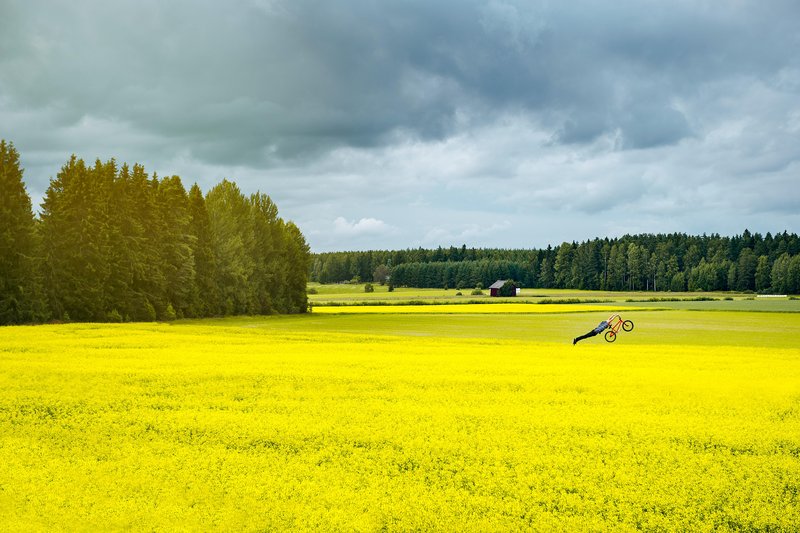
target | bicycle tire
[
  {"x": 610, "y": 336},
  {"x": 627, "y": 325}
]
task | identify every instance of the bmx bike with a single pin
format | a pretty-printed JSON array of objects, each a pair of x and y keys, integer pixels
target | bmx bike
[{"x": 615, "y": 323}]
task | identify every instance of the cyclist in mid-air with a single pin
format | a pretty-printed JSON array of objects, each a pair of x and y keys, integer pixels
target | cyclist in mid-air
[{"x": 601, "y": 327}]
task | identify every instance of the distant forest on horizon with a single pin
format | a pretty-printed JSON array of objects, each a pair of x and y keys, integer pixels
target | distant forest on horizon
[{"x": 647, "y": 262}]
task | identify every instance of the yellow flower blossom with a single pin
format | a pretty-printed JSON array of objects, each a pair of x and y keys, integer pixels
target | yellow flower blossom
[{"x": 222, "y": 428}]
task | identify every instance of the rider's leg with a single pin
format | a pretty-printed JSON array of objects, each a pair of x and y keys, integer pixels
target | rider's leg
[{"x": 590, "y": 334}]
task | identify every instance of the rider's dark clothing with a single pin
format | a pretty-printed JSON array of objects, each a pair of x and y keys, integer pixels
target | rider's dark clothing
[{"x": 596, "y": 331}]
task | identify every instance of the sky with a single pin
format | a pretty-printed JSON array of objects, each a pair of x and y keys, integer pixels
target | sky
[{"x": 390, "y": 124}]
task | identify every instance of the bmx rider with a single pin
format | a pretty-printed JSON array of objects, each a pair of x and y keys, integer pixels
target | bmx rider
[{"x": 601, "y": 327}]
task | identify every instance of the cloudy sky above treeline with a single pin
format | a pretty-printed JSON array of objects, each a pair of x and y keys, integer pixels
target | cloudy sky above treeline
[{"x": 405, "y": 123}]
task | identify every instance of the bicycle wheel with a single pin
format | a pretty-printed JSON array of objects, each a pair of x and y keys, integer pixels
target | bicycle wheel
[
  {"x": 627, "y": 325},
  {"x": 610, "y": 336}
]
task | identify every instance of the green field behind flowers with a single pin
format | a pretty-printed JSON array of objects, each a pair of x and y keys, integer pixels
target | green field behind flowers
[{"x": 485, "y": 419}]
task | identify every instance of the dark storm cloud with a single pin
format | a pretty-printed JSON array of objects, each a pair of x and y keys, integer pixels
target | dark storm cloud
[
  {"x": 437, "y": 97},
  {"x": 256, "y": 79}
]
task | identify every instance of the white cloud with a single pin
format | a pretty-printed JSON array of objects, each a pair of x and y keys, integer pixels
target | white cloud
[
  {"x": 365, "y": 226},
  {"x": 463, "y": 233}
]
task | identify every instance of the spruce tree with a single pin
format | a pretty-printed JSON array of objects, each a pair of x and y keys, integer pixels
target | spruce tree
[
  {"x": 746, "y": 270},
  {"x": 19, "y": 296},
  {"x": 175, "y": 246},
  {"x": 75, "y": 267},
  {"x": 229, "y": 215},
  {"x": 125, "y": 245},
  {"x": 763, "y": 269},
  {"x": 264, "y": 252},
  {"x": 101, "y": 184},
  {"x": 206, "y": 294},
  {"x": 148, "y": 277}
]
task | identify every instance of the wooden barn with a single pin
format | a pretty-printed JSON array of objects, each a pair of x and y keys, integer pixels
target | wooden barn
[{"x": 503, "y": 287}]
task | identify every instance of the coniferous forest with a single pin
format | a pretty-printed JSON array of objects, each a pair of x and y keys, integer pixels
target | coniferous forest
[
  {"x": 112, "y": 243},
  {"x": 667, "y": 262}
]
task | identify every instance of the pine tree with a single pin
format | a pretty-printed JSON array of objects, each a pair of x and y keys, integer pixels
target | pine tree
[
  {"x": 546, "y": 273},
  {"x": 793, "y": 275},
  {"x": 206, "y": 295},
  {"x": 617, "y": 267},
  {"x": 101, "y": 183},
  {"x": 265, "y": 255},
  {"x": 175, "y": 247},
  {"x": 763, "y": 270},
  {"x": 637, "y": 266},
  {"x": 125, "y": 237},
  {"x": 779, "y": 275},
  {"x": 75, "y": 242},
  {"x": 746, "y": 270},
  {"x": 298, "y": 259},
  {"x": 148, "y": 277},
  {"x": 229, "y": 215},
  {"x": 19, "y": 293},
  {"x": 563, "y": 265},
  {"x": 278, "y": 285}
]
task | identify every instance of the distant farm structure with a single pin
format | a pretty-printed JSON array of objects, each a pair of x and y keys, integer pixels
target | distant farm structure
[{"x": 503, "y": 287}]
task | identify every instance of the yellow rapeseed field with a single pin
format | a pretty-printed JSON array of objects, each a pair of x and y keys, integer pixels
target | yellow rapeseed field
[
  {"x": 448, "y": 309},
  {"x": 211, "y": 427}
]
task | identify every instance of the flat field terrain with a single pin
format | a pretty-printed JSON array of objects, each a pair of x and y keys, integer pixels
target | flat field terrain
[{"x": 479, "y": 421}]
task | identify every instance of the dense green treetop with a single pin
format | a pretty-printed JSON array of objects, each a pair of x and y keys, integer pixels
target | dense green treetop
[
  {"x": 658, "y": 262},
  {"x": 20, "y": 298},
  {"x": 113, "y": 243}
]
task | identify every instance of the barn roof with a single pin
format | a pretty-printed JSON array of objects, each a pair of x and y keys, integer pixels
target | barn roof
[{"x": 498, "y": 284}]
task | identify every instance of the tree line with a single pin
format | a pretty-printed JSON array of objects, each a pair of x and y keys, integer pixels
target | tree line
[
  {"x": 112, "y": 243},
  {"x": 664, "y": 262}
]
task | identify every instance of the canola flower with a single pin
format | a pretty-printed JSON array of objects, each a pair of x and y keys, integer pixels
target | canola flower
[
  {"x": 195, "y": 427},
  {"x": 450, "y": 309}
]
